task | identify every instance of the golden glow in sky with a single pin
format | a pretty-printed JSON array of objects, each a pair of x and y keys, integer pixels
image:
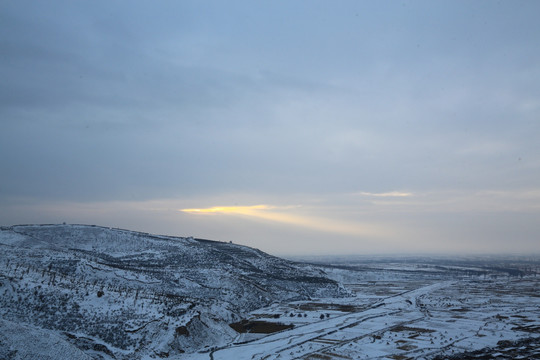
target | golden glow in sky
[
  {"x": 245, "y": 210},
  {"x": 283, "y": 214}
]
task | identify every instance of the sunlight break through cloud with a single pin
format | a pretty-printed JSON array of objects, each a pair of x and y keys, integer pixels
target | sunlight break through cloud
[
  {"x": 277, "y": 214},
  {"x": 244, "y": 210}
]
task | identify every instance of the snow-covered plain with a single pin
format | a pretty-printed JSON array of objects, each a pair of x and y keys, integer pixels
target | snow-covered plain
[
  {"x": 399, "y": 313},
  {"x": 85, "y": 292}
]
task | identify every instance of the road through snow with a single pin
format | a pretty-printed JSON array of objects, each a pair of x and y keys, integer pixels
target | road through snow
[{"x": 308, "y": 339}]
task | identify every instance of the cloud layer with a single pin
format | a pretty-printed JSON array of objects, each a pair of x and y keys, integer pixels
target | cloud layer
[{"x": 385, "y": 126}]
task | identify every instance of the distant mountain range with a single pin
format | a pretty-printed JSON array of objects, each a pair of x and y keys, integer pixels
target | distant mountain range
[{"x": 90, "y": 292}]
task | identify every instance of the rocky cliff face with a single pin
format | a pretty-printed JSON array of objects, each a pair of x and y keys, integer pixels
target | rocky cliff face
[{"x": 111, "y": 293}]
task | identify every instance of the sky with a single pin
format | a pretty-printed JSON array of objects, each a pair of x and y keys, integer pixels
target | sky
[{"x": 296, "y": 127}]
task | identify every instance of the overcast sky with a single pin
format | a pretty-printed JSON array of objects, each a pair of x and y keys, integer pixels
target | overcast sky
[{"x": 297, "y": 127}]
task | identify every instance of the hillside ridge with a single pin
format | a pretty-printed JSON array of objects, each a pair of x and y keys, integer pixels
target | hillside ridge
[{"x": 120, "y": 294}]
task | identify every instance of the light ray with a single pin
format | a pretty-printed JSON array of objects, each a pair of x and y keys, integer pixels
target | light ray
[
  {"x": 281, "y": 215},
  {"x": 228, "y": 209}
]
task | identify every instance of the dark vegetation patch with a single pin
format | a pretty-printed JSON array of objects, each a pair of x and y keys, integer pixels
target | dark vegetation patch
[
  {"x": 411, "y": 329},
  {"x": 182, "y": 330},
  {"x": 523, "y": 318},
  {"x": 535, "y": 329},
  {"x": 259, "y": 327},
  {"x": 462, "y": 309},
  {"x": 398, "y": 357},
  {"x": 521, "y": 349},
  {"x": 269, "y": 316}
]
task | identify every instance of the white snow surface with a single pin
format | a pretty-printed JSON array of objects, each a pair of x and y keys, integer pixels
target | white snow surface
[
  {"x": 20, "y": 342},
  {"x": 87, "y": 292},
  {"x": 132, "y": 295}
]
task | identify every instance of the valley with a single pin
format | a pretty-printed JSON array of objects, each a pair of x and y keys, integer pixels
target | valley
[{"x": 413, "y": 310}]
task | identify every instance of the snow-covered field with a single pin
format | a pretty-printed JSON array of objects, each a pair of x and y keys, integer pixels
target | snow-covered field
[
  {"x": 402, "y": 314},
  {"x": 85, "y": 292}
]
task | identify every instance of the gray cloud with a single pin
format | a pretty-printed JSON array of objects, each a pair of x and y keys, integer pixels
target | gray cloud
[{"x": 133, "y": 102}]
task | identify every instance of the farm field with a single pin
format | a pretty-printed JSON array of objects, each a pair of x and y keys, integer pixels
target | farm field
[
  {"x": 89, "y": 292},
  {"x": 403, "y": 311}
]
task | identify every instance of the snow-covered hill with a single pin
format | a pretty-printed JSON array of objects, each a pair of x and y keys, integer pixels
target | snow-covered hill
[{"x": 109, "y": 293}]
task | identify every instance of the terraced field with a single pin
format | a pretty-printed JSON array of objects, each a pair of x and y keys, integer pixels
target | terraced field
[{"x": 403, "y": 314}]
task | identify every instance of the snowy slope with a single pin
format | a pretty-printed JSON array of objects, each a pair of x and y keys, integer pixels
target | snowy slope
[{"x": 113, "y": 293}]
